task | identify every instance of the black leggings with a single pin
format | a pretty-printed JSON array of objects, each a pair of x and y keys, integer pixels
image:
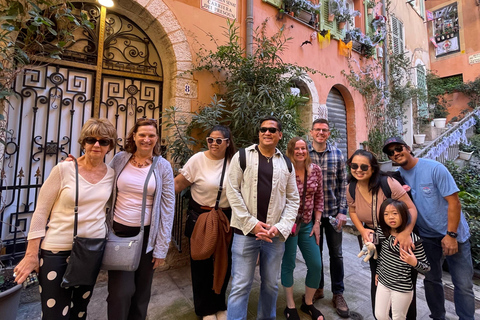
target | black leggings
[
  {"x": 129, "y": 291},
  {"x": 58, "y": 302}
]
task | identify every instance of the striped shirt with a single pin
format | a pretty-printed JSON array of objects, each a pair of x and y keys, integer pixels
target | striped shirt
[
  {"x": 332, "y": 163},
  {"x": 394, "y": 273}
]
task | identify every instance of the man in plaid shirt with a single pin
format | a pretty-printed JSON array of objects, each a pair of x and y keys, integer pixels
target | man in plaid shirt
[{"x": 332, "y": 163}]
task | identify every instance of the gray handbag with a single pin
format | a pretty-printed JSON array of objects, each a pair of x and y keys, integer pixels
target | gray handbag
[{"x": 123, "y": 253}]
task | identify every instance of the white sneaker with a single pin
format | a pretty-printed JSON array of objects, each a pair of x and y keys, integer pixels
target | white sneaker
[
  {"x": 222, "y": 315},
  {"x": 210, "y": 317}
]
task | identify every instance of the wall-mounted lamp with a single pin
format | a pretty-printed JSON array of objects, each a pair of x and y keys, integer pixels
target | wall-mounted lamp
[{"x": 106, "y": 3}]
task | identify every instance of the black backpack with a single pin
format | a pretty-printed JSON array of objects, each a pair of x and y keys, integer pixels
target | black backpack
[
  {"x": 383, "y": 184},
  {"x": 243, "y": 160}
]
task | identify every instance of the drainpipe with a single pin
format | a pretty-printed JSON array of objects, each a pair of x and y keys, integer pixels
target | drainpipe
[
  {"x": 385, "y": 47},
  {"x": 249, "y": 35}
]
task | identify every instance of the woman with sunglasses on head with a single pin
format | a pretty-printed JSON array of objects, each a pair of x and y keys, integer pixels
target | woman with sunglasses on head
[
  {"x": 366, "y": 175},
  {"x": 310, "y": 175},
  {"x": 202, "y": 173},
  {"x": 55, "y": 209},
  {"x": 129, "y": 291}
]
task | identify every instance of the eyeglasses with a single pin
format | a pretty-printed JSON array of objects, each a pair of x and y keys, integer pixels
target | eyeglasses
[
  {"x": 363, "y": 167},
  {"x": 391, "y": 152},
  {"x": 265, "y": 129},
  {"x": 102, "y": 142},
  {"x": 217, "y": 140},
  {"x": 320, "y": 130}
]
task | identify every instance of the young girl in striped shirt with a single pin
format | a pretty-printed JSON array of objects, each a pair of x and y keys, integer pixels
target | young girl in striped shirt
[{"x": 393, "y": 279}]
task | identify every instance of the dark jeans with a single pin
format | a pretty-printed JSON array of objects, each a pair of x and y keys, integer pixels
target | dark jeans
[
  {"x": 58, "y": 302},
  {"x": 412, "y": 310},
  {"x": 461, "y": 270},
  {"x": 334, "y": 243},
  {"x": 129, "y": 291}
]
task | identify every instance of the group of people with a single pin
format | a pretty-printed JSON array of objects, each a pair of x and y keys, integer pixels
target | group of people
[{"x": 274, "y": 203}]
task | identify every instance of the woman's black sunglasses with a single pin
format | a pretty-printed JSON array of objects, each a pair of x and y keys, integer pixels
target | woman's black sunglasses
[
  {"x": 363, "y": 167},
  {"x": 265, "y": 129},
  {"x": 391, "y": 152},
  {"x": 92, "y": 140}
]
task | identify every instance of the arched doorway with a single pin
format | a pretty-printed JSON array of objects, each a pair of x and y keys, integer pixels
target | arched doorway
[
  {"x": 337, "y": 117},
  {"x": 112, "y": 71}
]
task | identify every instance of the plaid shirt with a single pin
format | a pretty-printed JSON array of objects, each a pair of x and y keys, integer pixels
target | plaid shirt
[{"x": 332, "y": 163}]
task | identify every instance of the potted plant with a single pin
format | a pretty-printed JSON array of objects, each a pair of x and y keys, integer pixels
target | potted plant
[
  {"x": 370, "y": 5},
  {"x": 466, "y": 151},
  {"x": 343, "y": 14},
  {"x": 440, "y": 114},
  {"x": 303, "y": 9},
  {"x": 10, "y": 291}
]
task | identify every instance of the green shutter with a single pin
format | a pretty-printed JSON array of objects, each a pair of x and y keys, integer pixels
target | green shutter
[
  {"x": 275, "y": 3},
  {"x": 368, "y": 21},
  {"x": 327, "y": 25},
  {"x": 422, "y": 84}
]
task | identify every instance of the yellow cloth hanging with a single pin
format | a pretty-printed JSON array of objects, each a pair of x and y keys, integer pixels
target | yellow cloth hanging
[
  {"x": 324, "y": 41},
  {"x": 344, "y": 49}
]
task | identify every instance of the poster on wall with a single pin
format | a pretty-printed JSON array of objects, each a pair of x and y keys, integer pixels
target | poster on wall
[
  {"x": 447, "y": 46},
  {"x": 224, "y": 8}
]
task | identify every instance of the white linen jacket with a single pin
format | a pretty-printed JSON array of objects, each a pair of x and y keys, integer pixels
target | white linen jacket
[{"x": 242, "y": 194}]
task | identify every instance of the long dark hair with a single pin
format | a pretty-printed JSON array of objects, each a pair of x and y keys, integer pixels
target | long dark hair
[
  {"x": 402, "y": 210},
  {"x": 231, "y": 149},
  {"x": 374, "y": 182}
]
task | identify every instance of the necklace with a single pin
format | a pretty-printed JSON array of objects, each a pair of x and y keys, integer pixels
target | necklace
[
  {"x": 141, "y": 165},
  {"x": 268, "y": 158}
]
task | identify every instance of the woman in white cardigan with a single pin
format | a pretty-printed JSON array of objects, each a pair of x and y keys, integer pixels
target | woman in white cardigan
[{"x": 129, "y": 291}]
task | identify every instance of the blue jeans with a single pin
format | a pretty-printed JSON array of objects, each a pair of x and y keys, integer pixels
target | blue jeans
[
  {"x": 461, "y": 270},
  {"x": 245, "y": 251},
  {"x": 334, "y": 243},
  {"x": 310, "y": 253}
]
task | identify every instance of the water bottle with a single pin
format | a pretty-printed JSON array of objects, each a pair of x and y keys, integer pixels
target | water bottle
[{"x": 334, "y": 223}]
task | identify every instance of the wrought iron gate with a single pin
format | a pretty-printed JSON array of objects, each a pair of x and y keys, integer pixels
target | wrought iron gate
[{"x": 52, "y": 103}]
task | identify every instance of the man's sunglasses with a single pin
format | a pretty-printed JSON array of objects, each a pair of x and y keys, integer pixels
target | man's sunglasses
[
  {"x": 363, "y": 167},
  {"x": 265, "y": 129},
  {"x": 391, "y": 152},
  {"x": 217, "y": 140},
  {"x": 102, "y": 142}
]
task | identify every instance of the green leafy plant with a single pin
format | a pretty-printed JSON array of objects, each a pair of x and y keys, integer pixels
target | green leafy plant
[
  {"x": 370, "y": 3},
  {"x": 26, "y": 27},
  {"x": 249, "y": 87},
  {"x": 297, "y": 5},
  {"x": 341, "y": 11}
]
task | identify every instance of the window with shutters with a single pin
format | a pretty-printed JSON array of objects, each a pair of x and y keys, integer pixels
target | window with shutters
[
  {"x": 329, "y": 25},
  {"x": 397, "y": 36},
  {"x": 422, "y": 84}
]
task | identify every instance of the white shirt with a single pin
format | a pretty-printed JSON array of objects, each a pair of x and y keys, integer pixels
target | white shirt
[
  {"x": 204, "y": 174},
  {"x": 128, "y": 206}
]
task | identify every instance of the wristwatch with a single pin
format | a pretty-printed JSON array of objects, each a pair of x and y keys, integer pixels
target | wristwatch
[{"x": 452, "y": 234}]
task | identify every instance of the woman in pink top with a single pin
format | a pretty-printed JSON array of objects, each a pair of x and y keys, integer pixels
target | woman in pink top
[
  {"x": 365, "y": 171},
  {"x": 308, "y": 236},
  {"x": 55, "y": 210}
]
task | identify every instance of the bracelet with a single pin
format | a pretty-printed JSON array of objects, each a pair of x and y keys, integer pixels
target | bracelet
[{"x": 317, "y": 220}]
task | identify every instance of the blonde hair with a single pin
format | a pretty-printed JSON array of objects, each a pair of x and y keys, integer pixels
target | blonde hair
[
  {"x": 291, "y": 151},
  {"x": 102, "y": 128}
]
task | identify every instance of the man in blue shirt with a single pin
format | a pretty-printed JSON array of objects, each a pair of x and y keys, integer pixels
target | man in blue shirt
[
  {"x": 442, "y": 226},
  {"x": 332, "y": 163}
]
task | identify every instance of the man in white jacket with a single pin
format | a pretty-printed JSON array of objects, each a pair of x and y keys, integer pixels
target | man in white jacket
[{"x": 264, "y": 200}]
